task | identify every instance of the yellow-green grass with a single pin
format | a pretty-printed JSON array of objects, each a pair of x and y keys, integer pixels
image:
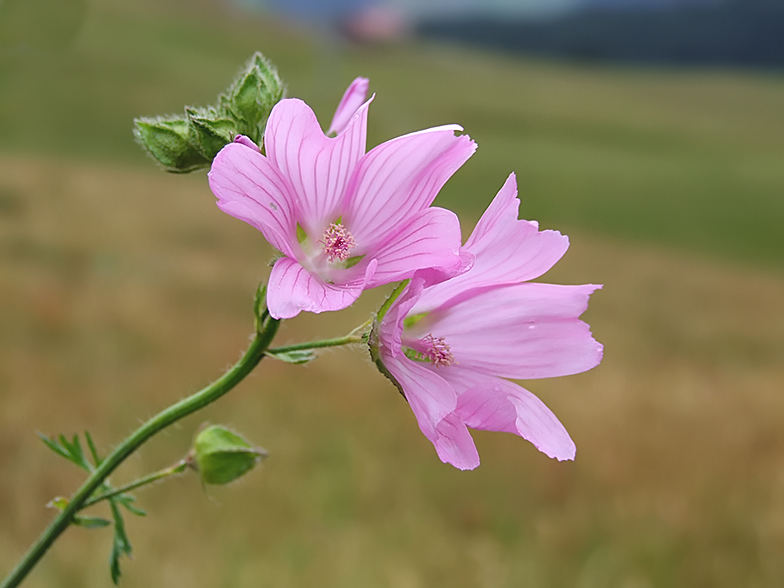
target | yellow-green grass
[{"x": 123, "y": 289}]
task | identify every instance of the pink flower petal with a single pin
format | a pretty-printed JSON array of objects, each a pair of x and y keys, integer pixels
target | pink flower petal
[
  {"x": 293, "y": 289},
  {"x": 252, "y": 190},
  {"x": 454, "y": 444},
  {"x": 353, "y": 98},
  {"x": 317, "y": 167},
  {"x": 494, "y": 404},
  {"x": 523, "y": 331},
  {"x": 401, "y": 177},
  {"x": 433, "y": 401},
  {"x": 431, "y": 239},
  {"x": 507, "y": 250}
]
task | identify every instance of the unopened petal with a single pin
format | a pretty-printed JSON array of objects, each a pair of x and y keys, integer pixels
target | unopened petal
[
  {"x": 247, "y": 141},
  {"x": 353, "y": 98}
]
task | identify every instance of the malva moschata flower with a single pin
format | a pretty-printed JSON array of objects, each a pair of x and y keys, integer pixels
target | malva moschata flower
[
  {"x": 450, "y": 346},
  {"x": 344, "y": 220}
]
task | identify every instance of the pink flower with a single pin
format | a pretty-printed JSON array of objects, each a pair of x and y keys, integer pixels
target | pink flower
[
  {"x": 344, "y": 220},
  {"x": 449, "y": 346}
]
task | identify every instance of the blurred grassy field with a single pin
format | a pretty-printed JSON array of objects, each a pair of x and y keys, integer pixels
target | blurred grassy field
[{"x": 123, "y": 288}]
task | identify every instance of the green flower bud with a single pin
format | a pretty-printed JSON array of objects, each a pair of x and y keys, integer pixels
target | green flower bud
[
  {"x": 221, "y": 456},
  {"x": 209, "y": 130},
  {"x": 168, "y": 141},
  {"x": 251, "y": 97}
]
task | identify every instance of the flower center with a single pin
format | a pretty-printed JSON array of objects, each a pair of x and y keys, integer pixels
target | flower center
[
  {"x": 437, "y": 351},
  {"x": 337, "y": 242}
]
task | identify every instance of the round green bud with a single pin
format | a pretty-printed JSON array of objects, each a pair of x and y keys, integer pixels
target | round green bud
[{"x": 221, "y": 456}]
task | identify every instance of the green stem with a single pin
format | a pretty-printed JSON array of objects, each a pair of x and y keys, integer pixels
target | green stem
[
  {"x": 177, "y": 468},
  {"x": 355, "y": 336},
  {"x": 390, "y": 300},
  {"x": 251, "y": 358}
]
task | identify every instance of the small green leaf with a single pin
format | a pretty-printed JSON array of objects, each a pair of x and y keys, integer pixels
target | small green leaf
[
  {"x": 58, "y": 502},
  {"x": 70, "y": 450},
  {"x": 90, "y": 522},
  {"x": 54, "y": 446},
  {"x": 93, "y": 451},
  {"x": 121, "y": 545},
  {"x": 296, "y": 357},
  {"x": 78, "y": 453},
  {"x": 127, "y": 501},
  {"x": 86, "y": 521}
]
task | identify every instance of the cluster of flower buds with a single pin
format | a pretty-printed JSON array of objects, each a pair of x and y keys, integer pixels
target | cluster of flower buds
[{"x": 183, "y": 143}]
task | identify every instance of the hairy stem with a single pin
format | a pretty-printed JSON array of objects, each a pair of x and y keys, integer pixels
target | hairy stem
[
  {"x": 265, "y": 333},
  {"x": 172, "y": 470},
  {"x": 355, "y": 336}
]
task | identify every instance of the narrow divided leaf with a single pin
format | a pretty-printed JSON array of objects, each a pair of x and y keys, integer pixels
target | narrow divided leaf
[
  {"x": 90, "y": 522},
  {"x": 93, "y": 451},
  {"x": 86, "y": 521},
  {"x": 121, "y": 545},
  {"x": 127, "y": 501},
  {"x": 54, "y": 446},
  {"x": 70, "y": 450}
]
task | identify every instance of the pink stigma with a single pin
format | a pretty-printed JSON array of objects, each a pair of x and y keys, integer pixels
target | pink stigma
[
  {"x": 438, "y": 351},
  {"x": 337, "y": 242}
]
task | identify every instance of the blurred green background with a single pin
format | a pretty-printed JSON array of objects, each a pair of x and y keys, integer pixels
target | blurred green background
[{"x": 123, "y": 288}]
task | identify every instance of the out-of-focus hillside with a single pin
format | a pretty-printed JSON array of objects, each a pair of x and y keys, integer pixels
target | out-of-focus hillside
[{"x": 741, "y": 33}]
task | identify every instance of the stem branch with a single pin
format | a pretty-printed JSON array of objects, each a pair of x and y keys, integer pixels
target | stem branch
[
  {"x": 177, "y": 468},
  {"x": 355, "y": 336}
]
